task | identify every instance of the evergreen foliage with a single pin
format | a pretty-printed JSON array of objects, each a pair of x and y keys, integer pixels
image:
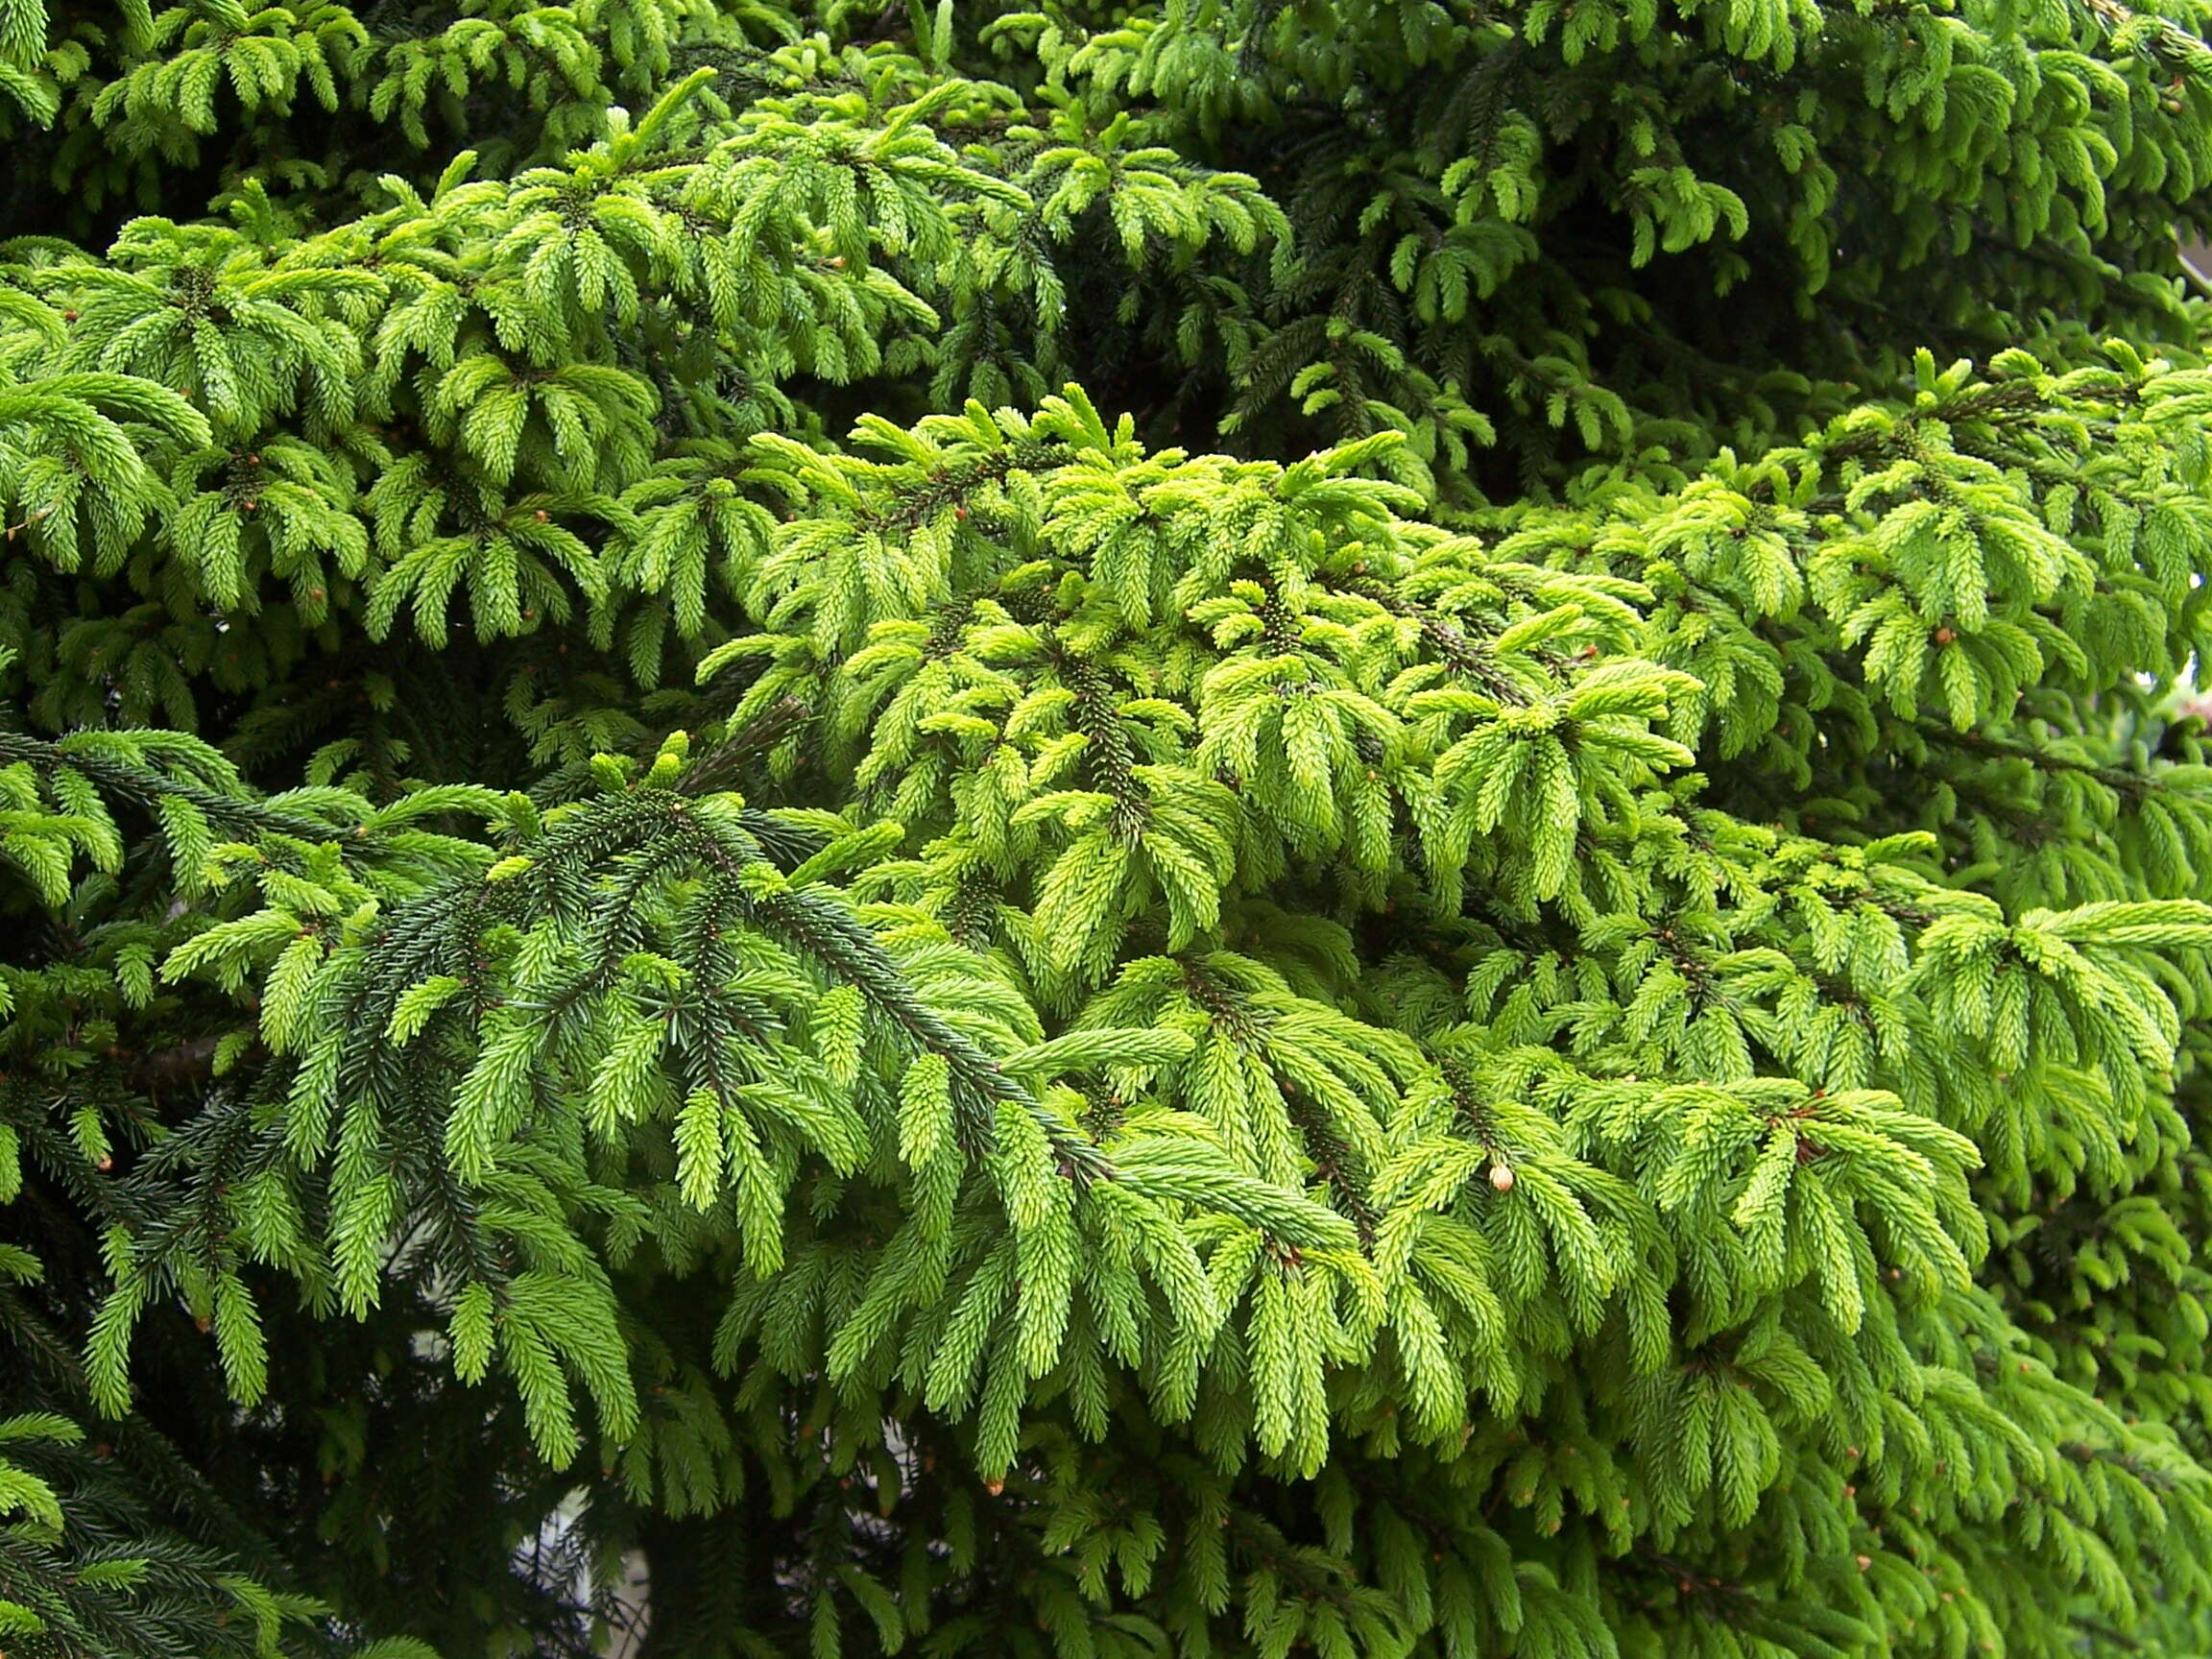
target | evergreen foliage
[{"x": 1520, "y": 971}]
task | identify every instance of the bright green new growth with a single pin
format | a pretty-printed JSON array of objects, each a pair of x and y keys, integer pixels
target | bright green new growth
[{"x": 1520, "y": 971}]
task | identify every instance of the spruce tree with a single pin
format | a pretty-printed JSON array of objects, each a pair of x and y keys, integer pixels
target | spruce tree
[{"x": 1192, "y": 829}]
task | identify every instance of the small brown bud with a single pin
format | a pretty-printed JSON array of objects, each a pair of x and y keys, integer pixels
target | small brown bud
[
  {"x": 104, "y": 1163},
  {"x": 541, "y": 515},
  {"x": 1945, "y": 636},
  {"x": 68, "y": 316},
  {"x": 1864, "y": 1561},
  {"x": 1501, "y": 1177}
]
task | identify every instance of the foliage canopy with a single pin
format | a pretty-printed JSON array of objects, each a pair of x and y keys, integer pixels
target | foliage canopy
[{"x": 1520, "y": 971}]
